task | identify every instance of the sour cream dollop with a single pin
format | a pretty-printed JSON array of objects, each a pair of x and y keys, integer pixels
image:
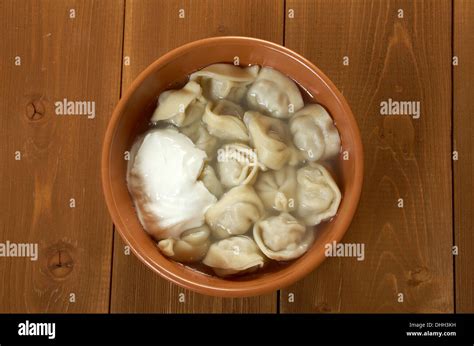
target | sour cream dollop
[{"x": 162, "y": 179}]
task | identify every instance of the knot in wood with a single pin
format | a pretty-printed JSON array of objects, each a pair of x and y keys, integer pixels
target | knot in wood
[
  {"x": 35, "y": 110},
  {"x": 60, "y": 263},
  {"x": 418, "y": 276}
]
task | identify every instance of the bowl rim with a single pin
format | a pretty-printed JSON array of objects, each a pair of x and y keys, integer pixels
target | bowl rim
[{"x": 242, "y": 290}]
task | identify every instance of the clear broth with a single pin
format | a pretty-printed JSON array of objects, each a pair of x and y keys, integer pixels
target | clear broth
[{"x": 334, "y": 167}]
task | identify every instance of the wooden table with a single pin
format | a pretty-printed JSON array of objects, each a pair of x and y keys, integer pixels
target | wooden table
[{"x": 373, "y": 50}]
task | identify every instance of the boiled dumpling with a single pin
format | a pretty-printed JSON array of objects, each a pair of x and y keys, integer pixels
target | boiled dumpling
[
  {"x": 224, "y": 120},
  {"x": 192, "y": 112},
  {"x": 180, "y": 107},
  {"x": 234, "y": 255},
  {"x": 314, "y": 133},
  {"x": 271, "y": 139},
  {"x": 191, "y": 247},
  {"x": 225, "y": 81},
  {"x": 318, "y": 196},
  {"x": 277, "y": 189},
  {"x": 205, "y": 141},
  {"x": 235, "y": 212},
  {"x": 282, "y": 237},
  {"x": 274, "y": 94},
  {"x": 211, "y": 182},
  {"x": 237, "y": 164},
  {"x": 199, "y": 135}
]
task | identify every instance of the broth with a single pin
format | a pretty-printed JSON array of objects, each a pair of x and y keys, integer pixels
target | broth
[{"x": 333, "y": 166}]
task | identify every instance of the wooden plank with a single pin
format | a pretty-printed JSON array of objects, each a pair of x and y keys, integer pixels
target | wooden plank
[
  {"x": 152, "y": 29},
  {"x": 407, "y": 250},
  {"x": 464, "y": 145},
  {"x": 61, "y": 57}
]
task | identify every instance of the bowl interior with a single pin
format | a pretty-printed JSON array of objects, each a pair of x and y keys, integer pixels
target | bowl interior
[{"x": 131, "y": 118}]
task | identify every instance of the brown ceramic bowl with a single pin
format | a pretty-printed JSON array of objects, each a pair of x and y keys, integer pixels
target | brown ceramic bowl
[{"x": 134, "y": 111}]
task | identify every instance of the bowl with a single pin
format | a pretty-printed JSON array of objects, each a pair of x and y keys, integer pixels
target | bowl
[{"x": 132, "y": 115}]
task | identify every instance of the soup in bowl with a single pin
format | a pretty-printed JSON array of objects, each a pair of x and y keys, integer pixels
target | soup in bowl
[{"x": 229, "y": 164}]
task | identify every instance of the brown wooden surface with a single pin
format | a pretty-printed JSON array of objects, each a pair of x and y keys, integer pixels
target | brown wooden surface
[
  {"x": 60, "y": 57},
  {"x": 147, "y": 37},
  {"x": 407, "y": 250},
  {"x": 464, "y": 144}
]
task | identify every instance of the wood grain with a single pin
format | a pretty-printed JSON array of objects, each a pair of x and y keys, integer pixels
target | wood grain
[
  {"x": 61, "y": 57},
  {"x": 134, "y": 287},
  {"x": 464, "y": 144},
  {"x": 407, "y": 250}
]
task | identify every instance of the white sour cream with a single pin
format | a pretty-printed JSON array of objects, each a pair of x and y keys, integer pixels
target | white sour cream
[{"x": 162, "y": 179}]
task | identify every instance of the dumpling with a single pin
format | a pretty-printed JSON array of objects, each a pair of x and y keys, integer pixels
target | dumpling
[
  {"x": 205, "y": 141},
  {"x": 234, "y": 255},
  {"x": 282, "y": 237},
  {"x": 225, "y": 81},
  {"x": 224, "y": 120},
  {"x": 277, "y": 189},
  {"x": 274, "y": 94},
  {"x": 237, "y": 164},
  {"x": 199, "y": 135},
  {"x": 192, "y": 112},
  {"x": 180, "y": 107},
  {"x": 191, "y": 247},
  {"x": 314, "y": 133},
  {"x": 271, "y": 139},
  {"x": 318, "y": 196},
  {"x": 235, "y": 212},
  {"x": 211, "y": 182}
]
